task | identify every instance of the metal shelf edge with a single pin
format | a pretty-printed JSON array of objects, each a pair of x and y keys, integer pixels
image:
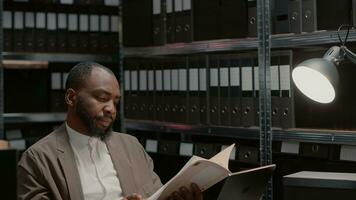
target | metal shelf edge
[
  {"x": 278, "y": 41},
  {"x": 59, "y": 57},
  {"x": 329, "y": 137},
  {"x": 13, "y": 118}
]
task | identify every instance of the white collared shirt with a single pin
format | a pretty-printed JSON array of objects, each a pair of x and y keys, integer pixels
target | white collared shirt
[{"x": 98, "y": 176}]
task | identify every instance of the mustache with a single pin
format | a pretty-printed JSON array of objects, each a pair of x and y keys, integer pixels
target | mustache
[{"x": 106, "y": 118}]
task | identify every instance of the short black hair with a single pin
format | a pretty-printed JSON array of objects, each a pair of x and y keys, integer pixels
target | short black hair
[{"x": 81, "y": 72}]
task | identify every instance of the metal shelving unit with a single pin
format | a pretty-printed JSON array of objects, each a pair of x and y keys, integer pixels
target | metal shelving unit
[
  {"x": 264, "y": 60},
  {"x": 263, "y": 43},
  {"x": 300, "y": 135},
  {"x": 16, "y": 118},
  {"x": 59, "y": 57},
  {"x": 1, "y": 78},
  {"x": 277, "y": 41}
]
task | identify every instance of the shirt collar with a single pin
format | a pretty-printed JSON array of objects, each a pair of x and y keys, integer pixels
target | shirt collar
[{"x": 76, "y": 138}]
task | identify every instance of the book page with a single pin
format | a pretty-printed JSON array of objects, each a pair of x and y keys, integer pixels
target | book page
[
  {"x": 222, "y": 158},
  {"x": 205, "y": 173},
  {"x": 190, "y": 162}
]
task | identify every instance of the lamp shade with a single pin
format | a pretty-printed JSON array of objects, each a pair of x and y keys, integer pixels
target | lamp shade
[{"x": 317, "y": 78}]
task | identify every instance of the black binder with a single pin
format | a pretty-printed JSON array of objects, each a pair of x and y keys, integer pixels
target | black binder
[
  {"x": 66, "y": 2},
  {"x": 205, "y": 150},
  {"x": 62, "y": 32},
  {"x": 309, "y": 15},
  {"x": 168, "y": 147},
  {"x": 151, "y": 106},
  {"x": 248, "y": 154},
  {"x": 142, "y": 100},
  {"x": 286, "y": 100},
  {"x": 275, "y": 92},
  {"x": 29, "y": 32},
  {"x": 295, "y": 16},
  {"x": 256, "y": 91},
  {"x": 57, "y": 103},
  {"x": 175, "y": 89},
  {"x": 40, "y": 42},
  {"x": 114, "y": 35},
  {"x": 182, "y": 90},
  {"x": 8, "y": 30},
  {"x": 178, "y": 20},
  {"x": 18, "y": 30},
  {"x": 331, "y": 15},
  {"x": 127, "y": 90},
  {"x": 325, "y": 14},
  {"x": 170, "y": 22},
  {"x": 51, "y": 21},
  {"x": 137, "y": 20},
  {"x": 168, "y": 98},
  {"x": 94, "y": 33},
  {"x": 194, "y": 99},
  {"x": 252, "y": 18},
  {"x": 158, "y": 22},
  {"x": 83, "y": 33},
  {"x": 131, "y": 89},
  {"x": 281, "y": 16},
  {"x": 206, "y": 19},
  {"x": 214, "y": 90},
  {"x": 104, "y": 35},
  {"x": 233, "y": 19},
  {"x": 183, "y": 21},
  {"x": 224, "y": 107},
  {"x": 247, "y": 100},
  {"x": 203, "y": 90},
  {"x": 134, "y": 83},
  {"x": 73, "y": 33},
  {"x": 235, "y": 92},
  {"x": 159, "y": 98},
  {"x": 354, "y": 13}
]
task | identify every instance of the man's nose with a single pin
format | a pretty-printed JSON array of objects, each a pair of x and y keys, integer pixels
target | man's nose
[{"x": 110, "y": 107}]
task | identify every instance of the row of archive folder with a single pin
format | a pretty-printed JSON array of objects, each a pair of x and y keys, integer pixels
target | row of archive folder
[
  {"x": 172, "y": 21},
  {"x": 71, "y": 2},
  {"x": 296, "y": 16},
  {"x": 60, "y": 28},
  {"x": 241, "y": 153},
  {"x": 210, "y": 90},
  {"x": 157, "y": 22}
]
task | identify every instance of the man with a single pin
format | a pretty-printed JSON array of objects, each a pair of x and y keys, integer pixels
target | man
[{"x": 83, "y": 158}]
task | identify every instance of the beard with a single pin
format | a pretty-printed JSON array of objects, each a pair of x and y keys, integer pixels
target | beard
[{"x": 89, "y": 122}]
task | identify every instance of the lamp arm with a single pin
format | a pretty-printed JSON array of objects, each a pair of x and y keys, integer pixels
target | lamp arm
[{"x": 349, "y": 54}]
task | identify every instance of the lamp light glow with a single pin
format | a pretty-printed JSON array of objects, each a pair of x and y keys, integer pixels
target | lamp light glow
[
  {"x": 313, "y": 84},
  {"x": 317, "y": 78}
]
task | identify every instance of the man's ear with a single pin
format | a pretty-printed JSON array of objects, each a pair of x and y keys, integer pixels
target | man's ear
[{"x": 70, "y": 97}]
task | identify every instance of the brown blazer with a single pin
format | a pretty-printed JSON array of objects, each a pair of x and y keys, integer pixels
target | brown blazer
[{"x": 47, "y": 169}]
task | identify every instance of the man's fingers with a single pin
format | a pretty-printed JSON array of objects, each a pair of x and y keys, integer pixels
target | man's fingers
[
  {"x": 196, "y": 191},
  {"x": 134, "y": 196},
  {"x": 177, "y": 196},
  {"x": 185, "y": 193}
]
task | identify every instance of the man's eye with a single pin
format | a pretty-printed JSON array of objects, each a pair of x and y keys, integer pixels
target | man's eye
[{"x": 102, "y": 99}]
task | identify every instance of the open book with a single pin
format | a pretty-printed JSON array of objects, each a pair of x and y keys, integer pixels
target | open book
[{"x": 205, "y": 173}]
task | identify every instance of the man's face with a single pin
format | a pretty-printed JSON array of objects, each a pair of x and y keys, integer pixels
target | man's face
[{"x": 96, "y": 103}]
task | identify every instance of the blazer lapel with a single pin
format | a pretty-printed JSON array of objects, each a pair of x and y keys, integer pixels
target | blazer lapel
[
  {"x": 67, "y": 162},
  {"x": 122, "y": 165}
]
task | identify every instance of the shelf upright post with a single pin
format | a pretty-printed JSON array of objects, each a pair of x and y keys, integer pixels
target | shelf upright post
[
  {"x": 2, "y": 135},
  {"x": 121, "y": 69},
  {"x": 264, "y": 59}
]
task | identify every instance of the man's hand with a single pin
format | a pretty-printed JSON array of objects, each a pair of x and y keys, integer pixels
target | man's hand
[
  {"x": 185, "y": 194},
  {"x": 134, "y": 196}
]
